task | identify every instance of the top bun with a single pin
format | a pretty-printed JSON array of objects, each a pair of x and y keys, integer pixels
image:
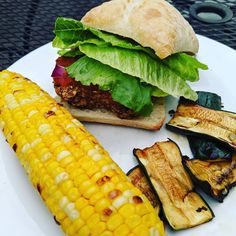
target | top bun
[{"x": 151, "y": 23}]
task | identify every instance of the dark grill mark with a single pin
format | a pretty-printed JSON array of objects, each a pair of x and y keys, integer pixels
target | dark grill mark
[
  {"x": 14, "y": 147},
  {"x": 39, "y": 188},
  {"x": 201, "y": 209},
  {"x": 49, "y": 113},
  {"x": 57, "y": 222}
]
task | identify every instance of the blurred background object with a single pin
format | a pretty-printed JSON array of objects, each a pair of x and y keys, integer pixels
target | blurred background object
[{"x": 27, "y": 25}]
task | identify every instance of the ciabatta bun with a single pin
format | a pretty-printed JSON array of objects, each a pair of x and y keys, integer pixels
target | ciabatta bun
[
  {"x": 151, "y": 23},
  {"x": 152, "y": 122}
]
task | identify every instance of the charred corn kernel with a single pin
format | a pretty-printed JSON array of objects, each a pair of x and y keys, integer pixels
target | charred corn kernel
[{"x": 85, "y": 190}]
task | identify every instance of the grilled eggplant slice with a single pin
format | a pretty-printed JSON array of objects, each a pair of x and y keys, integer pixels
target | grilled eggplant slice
[
  {"x": 203, "y": 148},
  {"x": 215, "y": 178},
  {"x": 139, "y": 180},
  {"x": 192, "y": 119},
  {"x": 182, "y": 207}
]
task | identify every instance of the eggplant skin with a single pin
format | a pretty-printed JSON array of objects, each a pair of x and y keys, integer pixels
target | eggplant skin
[
  {"x": 214, "y": 178},
  {"x": 139, "y": 180},
  {"x": 207, "y": 150},
  {"x": 192, "y": 119},
  {"x": 181, "y": 206}
]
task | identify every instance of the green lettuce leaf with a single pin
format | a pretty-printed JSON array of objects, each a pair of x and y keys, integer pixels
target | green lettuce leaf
[
  {"x": 141, "y": 65},
  {"x": 70, "y": 34},
  {"x": 185, "y": 66},
  {"x": 125, "y": 89}
]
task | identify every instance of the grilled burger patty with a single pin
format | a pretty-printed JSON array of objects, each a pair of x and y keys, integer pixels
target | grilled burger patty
[{"x": 87, "y": 97}]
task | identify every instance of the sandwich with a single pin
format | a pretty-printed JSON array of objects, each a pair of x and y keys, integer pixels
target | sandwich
[{"x": 118, "y": 63}]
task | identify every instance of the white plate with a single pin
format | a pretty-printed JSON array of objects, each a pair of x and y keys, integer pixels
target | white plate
[{"x": 22, "y": 212}]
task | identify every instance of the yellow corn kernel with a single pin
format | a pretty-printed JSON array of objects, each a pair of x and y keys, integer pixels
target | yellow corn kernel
[
  {"x": 73, "y": 194},
  {"x": 57, "y": 195},
  {"x": 115, "y": 179},
  {"x": 65, "y": 224},
  {"x": 81, "y": 203},
  {"x": 106, "y": 233},
  {"x": 127, "y": 210},
  {"x": 122, "y": 230},
  {"x": 102, "y": 162},
  {"x": 85, "y": 185},
  {"x": 66, "y": 186},
  {"x": 52, "y": 166},
  {"x": 98, "y": 228},
  {"x": 60, "y": 216},
  {"x": 97, "y": 176},
  {"x": 141, "y": 209},
  {"x": 122, "y": 186},
  {"x": 66, "y": 161},
  {"x": 71, "y": 231},
  {"x": 84, "y": 231},
  {"x": 93, "y": 169},
  {"x": 133, "y": 220},
  {"x": 114, "y": 221},
  {"x": 149, "y": 219},
  {"x": 141, "y": 230},
  {"x": 73, "y": 169},
  {"x": 101, "y": 205},
  {"x": 95, "y": 197},
  {"x": 107, "y": 187},
  {"x": 92, "y": 190},
  {"x": 78, "y": 223},
  {"x": 93, "y": 220},
  {"x": 86, "y": 212},
  {"x": 81, "y": 179}
]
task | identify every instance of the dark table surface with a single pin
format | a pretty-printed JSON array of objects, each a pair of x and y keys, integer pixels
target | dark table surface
[{"x": 27, "y": 25}]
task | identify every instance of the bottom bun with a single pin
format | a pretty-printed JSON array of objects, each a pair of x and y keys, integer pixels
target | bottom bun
[{"x": 152, "y": 122}]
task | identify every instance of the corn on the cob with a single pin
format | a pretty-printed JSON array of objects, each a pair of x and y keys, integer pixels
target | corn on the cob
[{"x": 87, "y": 193}]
